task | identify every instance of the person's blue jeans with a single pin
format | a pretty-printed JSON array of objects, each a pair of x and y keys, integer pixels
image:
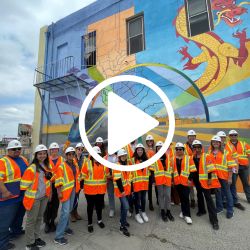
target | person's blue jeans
[
  {"x": 16, "y": 226},
  {"x": 110, "y": 188},
  {"x": 63, "y": 223},
  {"x": 124, "y": 210},
  {"x": 225, "y": 188},
  {"x": 244, "y": 176},
  {"x": 140, "y": 201},
  {"x": 7, "y": 215}
]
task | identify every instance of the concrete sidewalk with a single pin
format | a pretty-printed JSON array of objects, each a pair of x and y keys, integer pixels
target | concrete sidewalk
[{"x": 233, "y": 233}]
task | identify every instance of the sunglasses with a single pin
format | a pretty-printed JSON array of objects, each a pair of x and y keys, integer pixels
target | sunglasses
[
  {"x": 196, "y": 147},
  {"x": 80, "y": 149},
  {"x": 70, "y": 154},
  {"x": 16, "y": 149},
  {"x": 179, "y": 149},
  {"x": 233, "y": 135}
]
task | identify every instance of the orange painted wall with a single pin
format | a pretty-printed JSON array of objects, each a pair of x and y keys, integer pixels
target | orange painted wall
[{"x": 111, "y": 43}]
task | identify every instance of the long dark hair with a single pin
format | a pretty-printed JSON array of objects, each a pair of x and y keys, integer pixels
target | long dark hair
[
  {"x": 142, "y": 158},
  {"x": 36, "y": 162},
  {"x": 103, "y": 149},
  {"x": 220, "y": 148},
  {"x": 122, "y": 162}
]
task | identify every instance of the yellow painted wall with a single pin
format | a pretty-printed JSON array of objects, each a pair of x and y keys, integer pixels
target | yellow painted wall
[
  {"x": 111, "y": 43},
  {"x": 37, "y": 103}
]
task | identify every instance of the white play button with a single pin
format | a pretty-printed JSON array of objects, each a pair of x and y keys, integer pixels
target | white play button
[{"x": 125, "y": 123}]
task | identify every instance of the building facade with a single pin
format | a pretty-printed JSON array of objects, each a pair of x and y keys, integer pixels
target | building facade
[{"x": 197, "y": 53}]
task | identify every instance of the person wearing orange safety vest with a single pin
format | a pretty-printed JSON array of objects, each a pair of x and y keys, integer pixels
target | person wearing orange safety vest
[
  {"x": 150, "y": 152},
  {"x": 163, "y": 182},
  {"x": 191, "y": 136},
  {"x": 51, "y": 211},
  {"x": 95, "y": 186},
  {"x": 205, "y": 179},
  {"x": 224, "y": 163},
  {"x": 227, "y": 146},
  {"x": 183, "y": 168},
  {"x": 37, "y": 185},
  {"x": 122, "y": 189},
  {"x": 67, "y": 184},
  {"x": 12, "y": 167},
  {"x": 130, "y": 148},
  {"x": 243, "y": 151}
]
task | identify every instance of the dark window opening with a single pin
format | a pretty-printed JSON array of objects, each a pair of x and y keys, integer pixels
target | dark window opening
[{"x": 90, "y": 49}]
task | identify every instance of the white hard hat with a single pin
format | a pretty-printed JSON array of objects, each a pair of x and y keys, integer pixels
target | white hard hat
[
  {"x": 54, "y": 145},
  {"x": 159, "y": 144},
  {"x": 14, "y": 144},
  {"x": 69, "y": 149},
  {"x": 99, "y": 139},
  {"x": 121, "y": 152},
  {"x": 232, "y": 132},
  {"x": 40, "y": 148},
  {"x": 196, "y": 142},
  {"x": 216, "y": 138},
  {"x": 191, "y": 132},
  {"x": 79, "y": 145},
  {"x": 97, "y": 150},
  {"x": 179, "y": 145},
  {"x": 221, "y": 134},
  {"x": 149, "y": 138},
  {"x": 139, "y": 145}
]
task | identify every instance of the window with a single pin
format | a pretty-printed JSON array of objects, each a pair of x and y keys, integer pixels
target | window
[
  {"x": 199, "y": 16},
  {"x": 90, "y": 49},
  {"x": 135, "y": 34}
]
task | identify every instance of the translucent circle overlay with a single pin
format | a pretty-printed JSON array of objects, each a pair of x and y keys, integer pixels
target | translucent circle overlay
[{"x": 134, "y": 80}]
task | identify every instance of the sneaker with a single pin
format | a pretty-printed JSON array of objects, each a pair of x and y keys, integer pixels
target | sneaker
[
  {"x": 164, "y": 216},
  {"x": 90, "y": 229},
  {"x": 47, "y": 228},
  {"x": 239, "y": 206},
  {"x": 169, "y": 215},
  {"x": 129, "y": 214},
  {"x": 200, "y": 213},
  {"x": 139, "y": 219},
  {"x": 219, "y": 212},
  {"x": 111, "y": 213},
  {"x": 68, "y": 231},
  {"x": 188, "y": 220},
  {"x": 144, "y": 216},
  {"x": 229, "y": 215},
  {"x": 124, "y": 231},
  {"x": 181, "y": 215},
  {"x": 101, "y": 224},
  {"x": 126, "y": 224},
  {"x": 61, "y": 241},
  {"x": 32, "y": 247},
  {"x": 216, "y": 226},
  {"x": 40, "y": 243}
]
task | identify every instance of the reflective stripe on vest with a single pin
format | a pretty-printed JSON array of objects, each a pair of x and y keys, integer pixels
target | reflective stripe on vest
[
  {"x": 9, "y": 171},
  {"x": 90, "y": 180}
]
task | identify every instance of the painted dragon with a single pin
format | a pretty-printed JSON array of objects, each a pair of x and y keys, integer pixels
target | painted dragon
[{"x": 215, "y": 52}]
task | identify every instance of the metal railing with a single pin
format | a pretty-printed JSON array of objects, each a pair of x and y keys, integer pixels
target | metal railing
[{"x": 54, "y": 70}]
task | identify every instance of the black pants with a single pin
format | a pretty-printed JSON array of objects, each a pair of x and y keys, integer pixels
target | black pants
[
  {"x": 140, "y": 201},
  {"x": 200, "y": 197},
  {"x": 50, "y": 213},
  {"x": 150, "y": 188},
  {"x": 210, "y": 206},
  {"x": 96, "y": 201},
  {"x": 183, "y": 192}
]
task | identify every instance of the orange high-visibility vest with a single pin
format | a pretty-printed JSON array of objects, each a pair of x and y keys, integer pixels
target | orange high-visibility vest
[
  {"x": 10, "y": 171},
  {"x": 125, "y": 176},
  {"x": 206, "y": 166},
  {"x": 130, "y": 151},
  {"x": 29, "y": 183},
  {"x": 67, "y": 181},
  {"x": 95, "y": 178},
  {"x": 140, "y": 178},
  {"x": 223, "y": 163},
  {"x": 243, "y": 151},
  {"x": 187, "y": 166},
  {"x": 188, "y": 151},
  {"x": 232, "y": 150},
  {"x": 163, "y": 177},
  {"x": 54, "y": 167}
]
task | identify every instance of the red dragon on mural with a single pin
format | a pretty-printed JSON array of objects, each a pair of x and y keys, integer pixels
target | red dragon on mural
[{"x": 216, "y": 52}]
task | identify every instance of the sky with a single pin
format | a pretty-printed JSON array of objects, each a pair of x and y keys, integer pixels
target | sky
[{"x": 19, "y": 36}]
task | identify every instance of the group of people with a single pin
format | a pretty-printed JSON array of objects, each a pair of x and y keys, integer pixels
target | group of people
[{"x": 38, "y": 188}]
